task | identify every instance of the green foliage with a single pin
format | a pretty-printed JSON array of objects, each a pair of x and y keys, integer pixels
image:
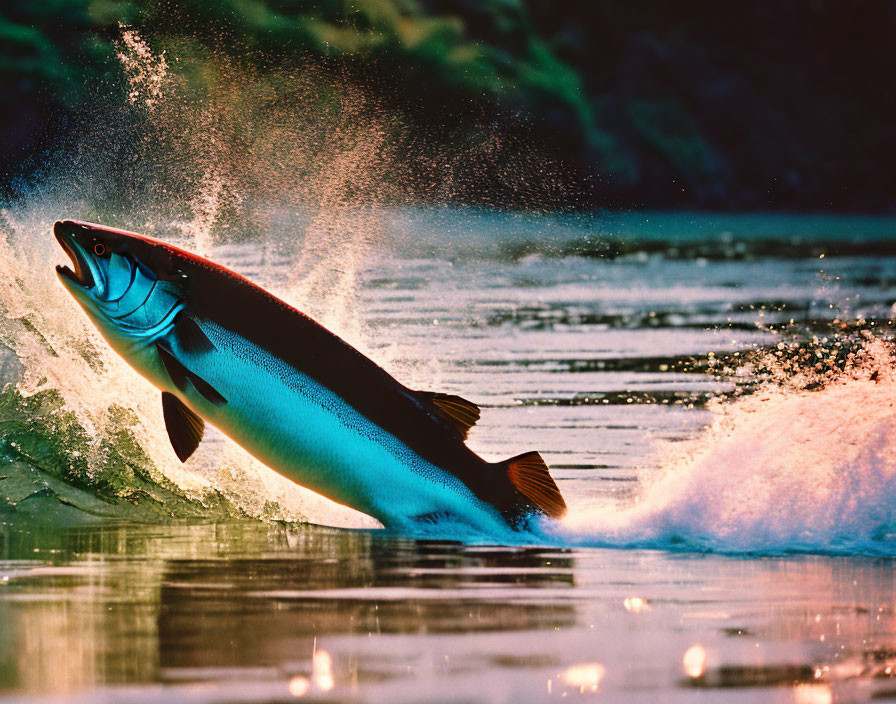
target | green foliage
[
  {"x": 30, "y": 58},
  {"x": 741, "y": 99}
]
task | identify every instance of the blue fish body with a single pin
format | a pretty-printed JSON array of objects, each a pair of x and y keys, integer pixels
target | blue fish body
[
  {"x": 291, "y": 422},
  {"x": 294, "y": 395}
]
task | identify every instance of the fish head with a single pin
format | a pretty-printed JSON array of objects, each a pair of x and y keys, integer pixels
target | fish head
[{"x": 121, "y": 280}]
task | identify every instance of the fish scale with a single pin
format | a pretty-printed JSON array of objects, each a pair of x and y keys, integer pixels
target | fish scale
[{"x": 298, "y": 423}]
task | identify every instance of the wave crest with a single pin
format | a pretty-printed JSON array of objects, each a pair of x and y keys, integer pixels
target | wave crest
[{"x": 785, "y": 469}]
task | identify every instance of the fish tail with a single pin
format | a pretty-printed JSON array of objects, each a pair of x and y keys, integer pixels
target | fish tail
[{"x": 536, "y": 490}]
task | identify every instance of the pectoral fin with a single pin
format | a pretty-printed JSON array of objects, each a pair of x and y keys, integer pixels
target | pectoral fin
[
  {"x": 176, "y": 371},
  {"x": 180, "y": 375},
  {"x": 190, "y": 335},
  {"x": 184, "y": 427},
  {"x": 457, "y": 412}
]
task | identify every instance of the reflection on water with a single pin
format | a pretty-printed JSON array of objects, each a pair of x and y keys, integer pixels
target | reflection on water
[{"x": 242, "y": 611}]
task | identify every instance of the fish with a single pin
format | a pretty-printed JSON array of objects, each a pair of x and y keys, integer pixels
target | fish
[{"x": 307, "y": 404}]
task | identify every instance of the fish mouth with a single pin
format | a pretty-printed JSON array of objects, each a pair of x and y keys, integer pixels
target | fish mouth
[{"x": 81, "y": 274}]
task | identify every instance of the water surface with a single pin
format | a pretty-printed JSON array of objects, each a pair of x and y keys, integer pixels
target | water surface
[{"x": 714, "y": 551}]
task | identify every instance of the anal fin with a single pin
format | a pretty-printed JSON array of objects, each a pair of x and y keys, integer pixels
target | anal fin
[
  {"x": 184, "y": 427},
  {"x": 180, "y": 375},
  {"x": 530, "y": 477},
  {"x": 457, "y": 412}
]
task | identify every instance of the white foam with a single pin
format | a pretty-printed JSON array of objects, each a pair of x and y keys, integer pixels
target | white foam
[{"x": 780, "y": 470}]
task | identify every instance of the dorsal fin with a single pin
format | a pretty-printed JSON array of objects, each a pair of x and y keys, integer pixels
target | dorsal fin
[
  {"x": 457, "y": 412},
  {"x": 530, "y": 477},
  {"x": 184, "y": 427}
]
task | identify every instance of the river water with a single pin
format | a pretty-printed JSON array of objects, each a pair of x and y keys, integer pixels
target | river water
[{"x": 715, "y": 396}]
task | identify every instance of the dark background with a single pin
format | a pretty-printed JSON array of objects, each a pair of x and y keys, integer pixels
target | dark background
[{"x": 712, "y": 105}]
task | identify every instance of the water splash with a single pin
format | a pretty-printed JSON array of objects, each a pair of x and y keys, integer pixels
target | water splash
[
  {"x": 187, "y": 171},
  {"x": 146, "y": 72},
  {"x": 786, "y": 469}
]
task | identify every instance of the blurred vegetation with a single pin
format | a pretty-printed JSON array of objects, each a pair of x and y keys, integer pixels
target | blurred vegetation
[{"x": 693, "y": 104}]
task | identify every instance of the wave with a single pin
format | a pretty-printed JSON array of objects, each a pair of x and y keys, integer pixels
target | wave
[
  {"x": 784, "y": 470},
  {"x": 81, "y": 434}
]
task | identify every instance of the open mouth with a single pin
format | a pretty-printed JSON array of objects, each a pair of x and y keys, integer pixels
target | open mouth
[{"x": 81, "y": 274}]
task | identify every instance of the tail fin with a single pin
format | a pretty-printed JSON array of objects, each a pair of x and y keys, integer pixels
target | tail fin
[{"x": 529, "y": 475}]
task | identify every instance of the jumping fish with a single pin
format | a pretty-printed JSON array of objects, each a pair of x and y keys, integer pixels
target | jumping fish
[{"x": 296, "y": 396}]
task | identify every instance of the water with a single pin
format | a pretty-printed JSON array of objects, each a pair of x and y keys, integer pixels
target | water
[
  {"x": 731, "y": 527},
  {"x": 714, "y": 394},
  {"x": 248, "y": 612}
]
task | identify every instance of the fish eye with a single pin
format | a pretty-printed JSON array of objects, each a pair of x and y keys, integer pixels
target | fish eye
[{"x": 99, "y": 249}]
